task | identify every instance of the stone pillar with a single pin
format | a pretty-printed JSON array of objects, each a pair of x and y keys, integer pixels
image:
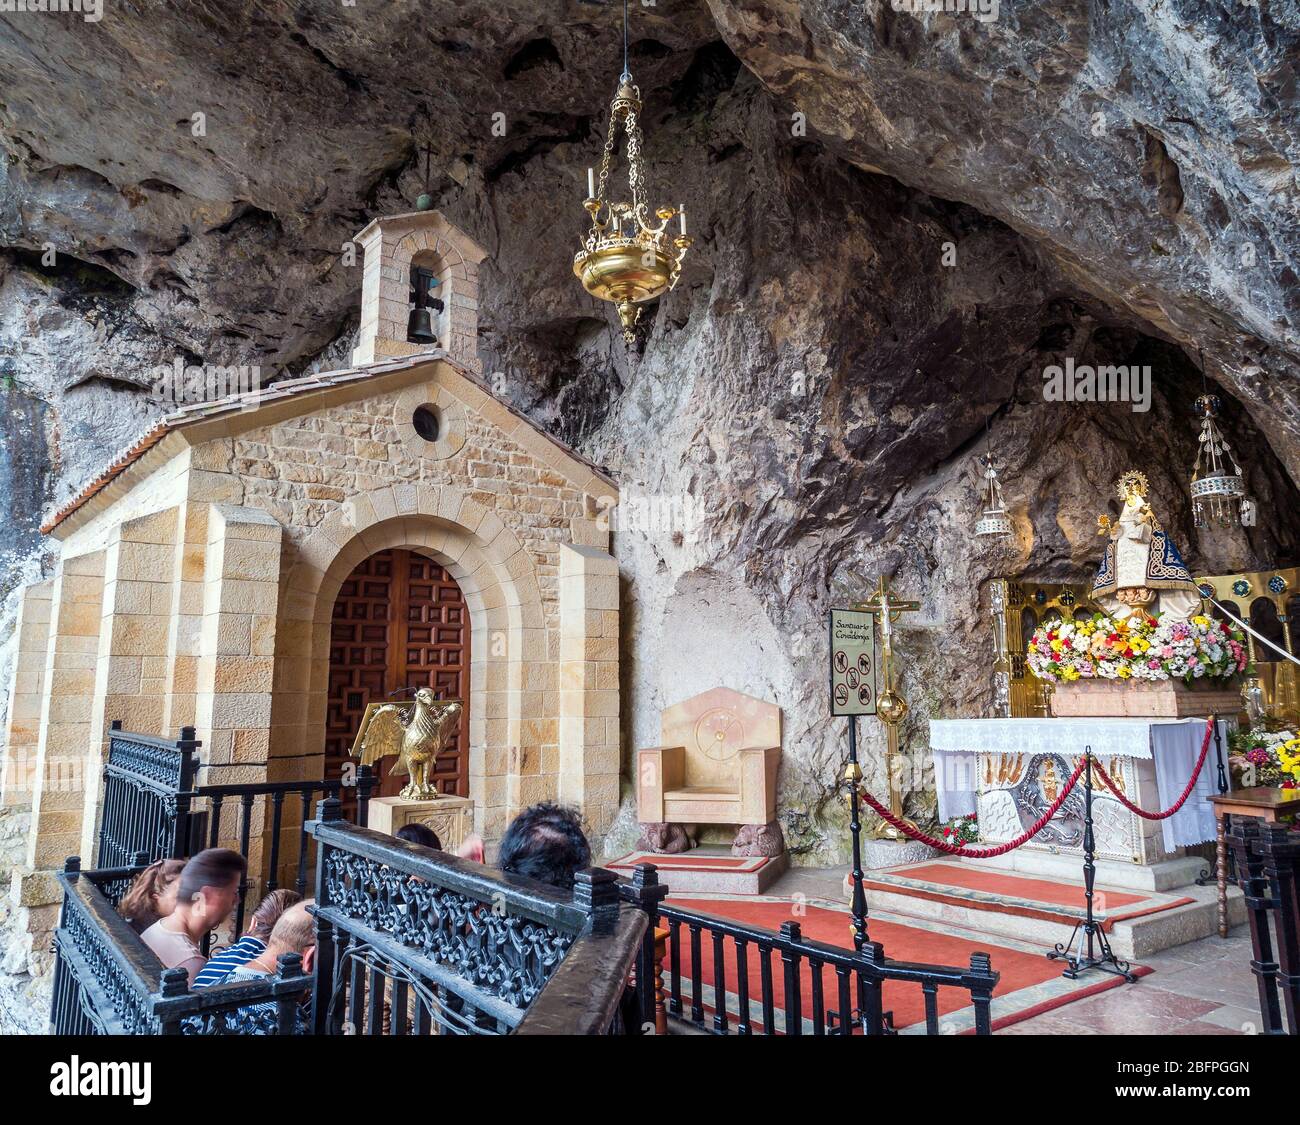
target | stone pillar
[
  {"x": 236, "y": 654},
  {"x": 589, "y": 689},
  {"x": 186, "y": 617},
  {"x": 131, "y": 670},
  {"x": 61, "y": 780},
  {"x": 237, "y": 643},
  {"x": 23, "y": 726}
]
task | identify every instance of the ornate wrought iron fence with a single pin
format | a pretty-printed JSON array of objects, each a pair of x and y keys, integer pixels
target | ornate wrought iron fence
[
  {"x": 849, "y": 1002},
  {"x": 108, "y": 982},
  {"x": 152, "y": 807},
  {"x": 413, "y": 941},
  {"x": 1268, "y": 872},
  {"x": 148, "y": 787}
]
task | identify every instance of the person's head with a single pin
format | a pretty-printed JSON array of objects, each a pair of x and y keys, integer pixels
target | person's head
[
  {"x": 153, "y": 894},
  {"x": 269, "y": 910},
  {"x": 209, "y": 886},
  {"x": 294, "y": 932},
  {"x": 545, "y": 842},
  {"x": 419, "y": 834}
]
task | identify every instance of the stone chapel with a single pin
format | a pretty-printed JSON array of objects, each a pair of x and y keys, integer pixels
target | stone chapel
[{"x": 262, "y": 566}]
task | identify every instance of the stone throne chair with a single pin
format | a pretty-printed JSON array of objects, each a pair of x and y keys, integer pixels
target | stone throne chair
[{"x": 717, "y": 765}]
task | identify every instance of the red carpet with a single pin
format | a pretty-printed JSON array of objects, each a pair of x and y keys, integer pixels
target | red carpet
[
  {"x": 1019, "y": 970},
  {"x": 1021, "y": 895}
]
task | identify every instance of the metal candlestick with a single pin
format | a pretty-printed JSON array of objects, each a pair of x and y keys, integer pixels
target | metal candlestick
[{"x": 1099, "y": 954}]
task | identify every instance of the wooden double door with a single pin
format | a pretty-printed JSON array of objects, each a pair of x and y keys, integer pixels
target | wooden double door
[{"x": 399, "y": 621}]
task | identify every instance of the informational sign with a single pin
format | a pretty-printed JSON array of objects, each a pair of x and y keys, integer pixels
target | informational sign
[{"x": 853, "y": 662}]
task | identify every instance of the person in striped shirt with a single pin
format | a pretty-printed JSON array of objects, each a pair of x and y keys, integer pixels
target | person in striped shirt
[{"x": 253, "y": 944}]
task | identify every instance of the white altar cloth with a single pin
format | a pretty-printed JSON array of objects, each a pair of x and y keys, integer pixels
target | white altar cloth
[{"x": 1175, "y": 744}]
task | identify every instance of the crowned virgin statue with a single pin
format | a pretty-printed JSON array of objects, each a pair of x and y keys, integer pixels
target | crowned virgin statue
[{"x": 1142, "y": 569}]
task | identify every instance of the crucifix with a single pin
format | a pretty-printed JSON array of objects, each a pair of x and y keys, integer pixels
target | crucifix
[{"x": 890, "y": 706}]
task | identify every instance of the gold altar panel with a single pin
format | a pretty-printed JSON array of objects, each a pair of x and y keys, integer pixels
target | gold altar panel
[{"x": 1268, "y": 599}]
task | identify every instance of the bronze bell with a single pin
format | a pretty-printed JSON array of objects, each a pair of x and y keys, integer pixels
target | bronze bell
[{"x": 419, "y": 327}]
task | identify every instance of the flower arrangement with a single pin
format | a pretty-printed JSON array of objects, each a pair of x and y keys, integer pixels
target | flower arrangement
[
  {"x": 1266, "y": 757},
  {"x": 1139, "y": 648},
  {"x": 962, "y": 830}
]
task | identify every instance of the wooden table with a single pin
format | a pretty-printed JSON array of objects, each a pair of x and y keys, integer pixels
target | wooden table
[{"x": 1262, "y": 802}]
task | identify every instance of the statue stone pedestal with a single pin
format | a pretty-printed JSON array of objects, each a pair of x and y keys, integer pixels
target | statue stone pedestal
[{"x": 452, "y": 818}]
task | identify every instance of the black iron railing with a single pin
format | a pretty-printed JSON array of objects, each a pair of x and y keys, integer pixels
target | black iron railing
[
  {"x": 148, "y": 787},
  {"x": 1268, "y": 872},
  {"x": 413, "y": 941},
  {"x": 108, "y": 982},
  {"x": 152, "y": 807},
  {"x": 843, "y": 993},
  {"x": 212, "y": 803}
]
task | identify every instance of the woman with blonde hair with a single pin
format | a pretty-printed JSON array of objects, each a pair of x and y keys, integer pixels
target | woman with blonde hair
[{"x": 152, "y": 895}]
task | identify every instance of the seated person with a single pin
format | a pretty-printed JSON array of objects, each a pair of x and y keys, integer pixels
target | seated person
[
  {"x": 293, "y": 932},
  {"x": 471, "y": 848},
  {"x": 206, "y": 894},
  {"x": 545, "y": 842},
  {"x": 152, "y": 895},
  {"x": 253, "y": 943},
  {"x": 419, "y": 834}
]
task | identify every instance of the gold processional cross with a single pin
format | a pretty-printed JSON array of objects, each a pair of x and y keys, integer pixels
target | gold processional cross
[{"x": 891, "y": 707}]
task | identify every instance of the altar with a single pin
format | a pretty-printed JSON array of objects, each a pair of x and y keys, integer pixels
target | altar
[{"x": 1009, "y": 771}]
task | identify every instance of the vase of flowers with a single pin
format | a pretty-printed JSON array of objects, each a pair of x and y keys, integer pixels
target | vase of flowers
[
  {"x": 962, "y": 830},
  {"x": 1139, "y": 666},
  {"x": 1265, "y": 757}
]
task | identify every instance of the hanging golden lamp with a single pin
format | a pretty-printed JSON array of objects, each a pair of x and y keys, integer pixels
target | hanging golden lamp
[
  {"x": 625, "y": 257},
  {"x": 1218, "y": 487}
]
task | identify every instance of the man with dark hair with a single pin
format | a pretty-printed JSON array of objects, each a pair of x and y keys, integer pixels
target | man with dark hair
[
  {"x": 545, "y": 842},
  {"x": 416, "y": 833},
  {"x": 207, "y": 892}
]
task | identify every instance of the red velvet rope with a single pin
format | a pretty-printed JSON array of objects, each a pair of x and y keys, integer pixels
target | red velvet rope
[
  {"x": 960, "y": 849},
  {"x": 1205, "y": 747}
]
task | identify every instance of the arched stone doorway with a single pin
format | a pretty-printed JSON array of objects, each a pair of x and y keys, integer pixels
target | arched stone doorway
[{"x": 399, "y": 621}]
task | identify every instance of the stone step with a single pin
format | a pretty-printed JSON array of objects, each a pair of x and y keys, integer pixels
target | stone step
[{"x": 1129, "y": 938}]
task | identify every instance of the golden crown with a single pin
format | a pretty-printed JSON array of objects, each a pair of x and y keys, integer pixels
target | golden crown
[{"x": 1131, "y": 482}]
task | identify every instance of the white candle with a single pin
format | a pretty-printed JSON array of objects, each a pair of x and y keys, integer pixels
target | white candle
[
  {"x": 681, "y": 210},
  {"x": 591, "y": 184}
]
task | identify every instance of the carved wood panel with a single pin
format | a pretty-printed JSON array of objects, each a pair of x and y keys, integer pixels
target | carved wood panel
[{"x": 399, "y": 621}]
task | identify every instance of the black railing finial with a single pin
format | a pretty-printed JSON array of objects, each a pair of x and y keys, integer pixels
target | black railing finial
[{"x": 331, "y": 808}]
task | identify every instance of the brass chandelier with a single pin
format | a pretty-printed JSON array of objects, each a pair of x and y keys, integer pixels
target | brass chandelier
[
  {"x": 1218, "y": 487},
  {"x": 625, "y": 257}
]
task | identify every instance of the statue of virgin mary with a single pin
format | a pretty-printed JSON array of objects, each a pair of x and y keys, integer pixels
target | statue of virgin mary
[{"x": 1142, "y": 569}]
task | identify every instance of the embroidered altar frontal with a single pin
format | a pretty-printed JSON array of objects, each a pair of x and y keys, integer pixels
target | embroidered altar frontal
[{"x": 1010, "y": 771}]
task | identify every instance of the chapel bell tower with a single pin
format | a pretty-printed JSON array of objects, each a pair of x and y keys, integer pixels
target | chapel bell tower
[{"x": 419, "y": 289}]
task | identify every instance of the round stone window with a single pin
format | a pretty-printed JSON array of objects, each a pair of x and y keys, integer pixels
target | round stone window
[{"x": 427, "y": 422}]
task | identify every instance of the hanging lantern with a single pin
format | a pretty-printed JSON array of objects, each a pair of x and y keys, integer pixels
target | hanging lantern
[
  {"x": 1218, "y": 495},
  {"x": 627, "y": 258},
  {"x": 994, "y": 521}
]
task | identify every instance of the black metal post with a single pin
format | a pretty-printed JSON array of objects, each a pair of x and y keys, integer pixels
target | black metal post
[
  {"x": 1218, "y": 754},
  {"x": 859, "y": 905},
  {"x": 1099, "y": 953}
]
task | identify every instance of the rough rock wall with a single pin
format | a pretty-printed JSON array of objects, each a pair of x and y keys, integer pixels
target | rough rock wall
[{"x": 810, "y": 400}]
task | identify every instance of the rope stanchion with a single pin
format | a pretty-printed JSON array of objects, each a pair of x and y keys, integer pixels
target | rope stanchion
[
  {"x": 986, "y": 853},
  {"x": 1187, "y": 792}
]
